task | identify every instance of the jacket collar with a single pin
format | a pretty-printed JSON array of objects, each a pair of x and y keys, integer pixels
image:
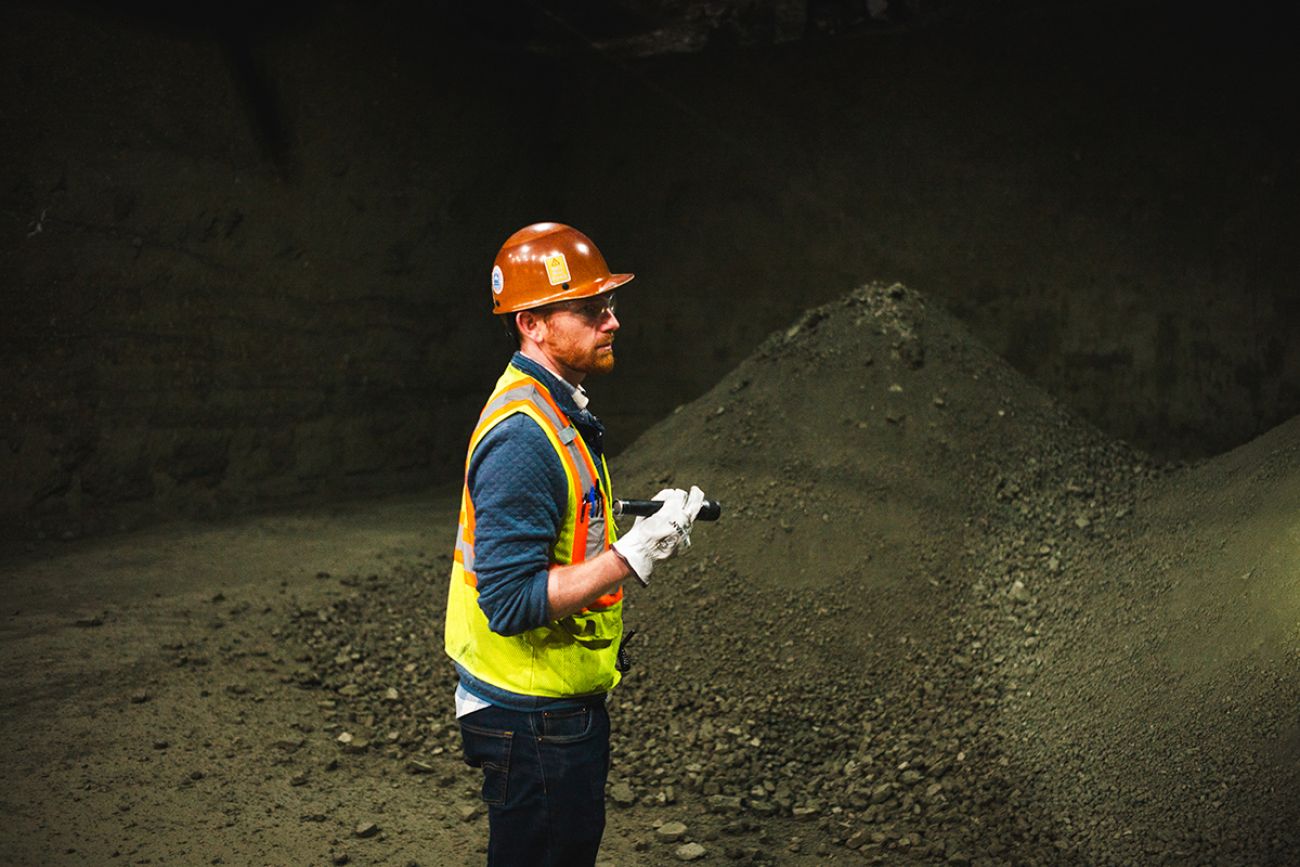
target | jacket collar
[{"x": 561, "y": 391}]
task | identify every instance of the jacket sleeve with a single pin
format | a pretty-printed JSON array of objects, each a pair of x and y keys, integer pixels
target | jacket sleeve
[{"x": 519, "y": 491}]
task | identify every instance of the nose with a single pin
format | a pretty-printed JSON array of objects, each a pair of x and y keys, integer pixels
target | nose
[{"x": 610, "y": 323}]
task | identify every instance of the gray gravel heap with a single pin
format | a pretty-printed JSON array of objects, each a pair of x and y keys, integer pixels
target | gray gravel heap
[{"x": 848, "y": 652}]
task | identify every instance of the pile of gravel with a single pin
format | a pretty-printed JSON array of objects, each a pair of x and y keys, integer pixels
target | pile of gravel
[{"x": 853, "y": 648}]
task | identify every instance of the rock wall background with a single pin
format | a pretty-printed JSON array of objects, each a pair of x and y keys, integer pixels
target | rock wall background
[{"x": 243, "y": 259}]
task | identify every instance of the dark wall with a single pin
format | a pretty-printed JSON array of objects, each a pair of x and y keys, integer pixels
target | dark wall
[
  {"x": 238, "y": 264},
  {"x": 1106, "y": 195},
  {"x": 245, "y": 259}
]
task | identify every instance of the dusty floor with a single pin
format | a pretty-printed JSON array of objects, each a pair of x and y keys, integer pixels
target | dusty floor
[
  {"x": 149, "y": 721},
  {"x": 941, "y": 621}
]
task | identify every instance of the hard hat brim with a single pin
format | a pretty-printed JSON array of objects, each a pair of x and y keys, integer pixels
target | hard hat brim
[{"x": 598, "y": 287}]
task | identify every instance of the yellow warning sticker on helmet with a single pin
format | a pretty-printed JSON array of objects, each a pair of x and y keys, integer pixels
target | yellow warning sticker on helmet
[{"x": 557, "y": 269}]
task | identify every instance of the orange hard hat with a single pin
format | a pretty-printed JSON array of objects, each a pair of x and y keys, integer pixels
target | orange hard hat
[{"x": 548, "y": 262}]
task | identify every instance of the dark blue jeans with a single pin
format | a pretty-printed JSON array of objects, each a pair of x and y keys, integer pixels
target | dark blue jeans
[{"x": 544, "y": 778}]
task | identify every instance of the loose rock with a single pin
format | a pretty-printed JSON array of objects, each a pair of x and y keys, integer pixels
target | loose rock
[
  {"x": 622, "y": 794},
  {"x": 690, "y": 852}
]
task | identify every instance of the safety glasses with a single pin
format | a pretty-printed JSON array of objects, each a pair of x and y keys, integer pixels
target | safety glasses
[{"x": 590, "y": 309}]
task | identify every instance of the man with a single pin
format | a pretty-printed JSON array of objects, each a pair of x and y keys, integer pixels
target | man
[{"x": 534, "y": 609}]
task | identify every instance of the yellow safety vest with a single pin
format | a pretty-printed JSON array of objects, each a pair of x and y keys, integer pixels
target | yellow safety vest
[{"x": 574, "y": 656}]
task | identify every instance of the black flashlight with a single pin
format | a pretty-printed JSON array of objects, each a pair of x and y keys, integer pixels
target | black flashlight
[{"x": 711, "y": 510}]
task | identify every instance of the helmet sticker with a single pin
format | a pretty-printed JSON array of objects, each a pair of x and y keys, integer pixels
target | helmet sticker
[
  {"x": 498, "y": 280},
  {"x": 557, "y": 269}
]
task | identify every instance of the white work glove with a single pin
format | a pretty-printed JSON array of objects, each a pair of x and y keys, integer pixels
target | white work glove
[{"x": 662, "y": 534}]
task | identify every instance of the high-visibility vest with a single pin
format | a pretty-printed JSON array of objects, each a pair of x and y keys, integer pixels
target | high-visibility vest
[{"x": 569, "y": 657}]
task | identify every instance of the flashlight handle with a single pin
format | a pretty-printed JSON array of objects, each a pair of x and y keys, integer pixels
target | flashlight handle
[{"x": 710, "y": 511}]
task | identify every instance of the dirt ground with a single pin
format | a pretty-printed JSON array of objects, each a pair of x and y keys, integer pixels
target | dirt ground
[
  {"x": 941, "y": 621},
  {"x": 144, "y": 695}
]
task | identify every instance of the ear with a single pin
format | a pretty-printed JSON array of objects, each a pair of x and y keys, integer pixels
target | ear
[{"x": 531, "y": 325}]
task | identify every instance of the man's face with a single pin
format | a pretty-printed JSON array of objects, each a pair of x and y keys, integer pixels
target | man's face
[{"x": 579, "y": 336}]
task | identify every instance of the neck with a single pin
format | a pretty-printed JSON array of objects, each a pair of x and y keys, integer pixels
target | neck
[{"x": 536, "y": 353}]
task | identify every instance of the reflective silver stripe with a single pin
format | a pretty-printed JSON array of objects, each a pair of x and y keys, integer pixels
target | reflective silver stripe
[
  {"x": 596, "y": 534},
  {"x": 510, "y": 395},
  {"x": 466, "y": 551}
]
